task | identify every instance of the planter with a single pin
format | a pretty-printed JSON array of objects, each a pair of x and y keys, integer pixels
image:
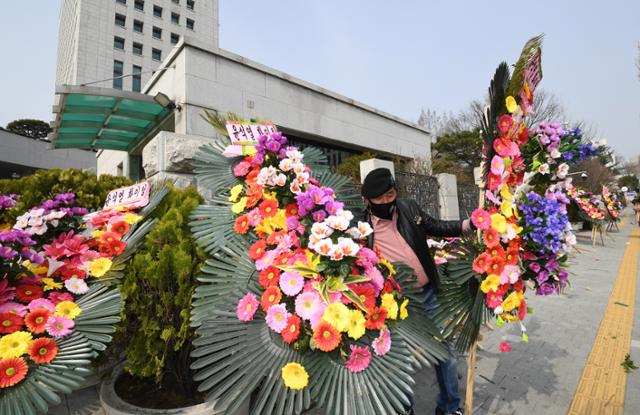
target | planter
[{"x": 114, "y": 405}]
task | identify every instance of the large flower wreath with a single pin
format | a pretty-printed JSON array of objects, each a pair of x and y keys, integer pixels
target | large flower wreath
[
  {"x": 293, "y": 304},
  {"x": 56, "y": 308}
]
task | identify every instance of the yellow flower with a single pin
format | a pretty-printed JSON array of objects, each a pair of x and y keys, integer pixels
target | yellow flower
[
  {"x": 97, "y": 234},
  {"x": 239, "y": 207},
  {"x": 295, "y": 376},
  {"x": 356, "y": 324},
  {"x": 338, "y": 315},
  {"x": 235, "y": 192},
  {"x": 68, "y": 309},
  {"x": 280, "y": 219},
  {"x": 511, "y": 104},
  {"x": 15, "y": 344},
  {"x": 511, "y": 302},
  {"x": 490, "y": 283},
  {"x": 100, "y": 266},
  {"x": 499, "y": 223},
  {"x": 35, "y": 268},
  {"x": 505, "y": 193},
  {"x": 389, "y": 303},
  {"x": 403, "y": 309},
  {"x": 508, "y": 317},
  {"x": 50, "y": 284},
  {"x": 507, "y": 209},
  {"x": 132, "y": 218},
  {"x": 386, "y": 263}
]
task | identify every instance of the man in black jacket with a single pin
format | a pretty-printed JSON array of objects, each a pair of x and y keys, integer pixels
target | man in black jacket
[{"x": 401, "y": 229}]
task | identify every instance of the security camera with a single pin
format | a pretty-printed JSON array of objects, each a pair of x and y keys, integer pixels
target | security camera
[{"x": 584, "y": 176}]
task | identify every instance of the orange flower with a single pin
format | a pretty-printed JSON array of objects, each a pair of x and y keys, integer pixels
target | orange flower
[
  {"x": 511, "y": 257},
  {"x": 109, "y": 237},
  {"x": 480, "y": 263},
  {"x": 269, "y": 276},
  {"x": 491, "y": 238},
  {"x": 43, "y": 350},
  {"x": 291, "y": 333},
  {"x": 257, "y": 250},
  {"x": 496, "y": 251},
  {"x": 12, "y": 371},
  {"x": 268, "y": 208},
  {"x": 120, "y": 227},
  {"x": 326, "y": 337},
  {"x": 495, "y": 265},
  {"x": 242, "y": 224},
  {"x": 271, "y": 296},
  {"x": 37, "y": 319},
  {"x": 376, "y": 318},
  {"x": 366, "y": 294}
]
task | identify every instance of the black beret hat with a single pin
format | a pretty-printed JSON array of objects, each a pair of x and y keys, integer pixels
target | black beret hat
[{"x": 377, "y": 182}]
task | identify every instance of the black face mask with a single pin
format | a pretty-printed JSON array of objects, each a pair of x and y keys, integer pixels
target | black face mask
[{"x": 383, "y": 210}]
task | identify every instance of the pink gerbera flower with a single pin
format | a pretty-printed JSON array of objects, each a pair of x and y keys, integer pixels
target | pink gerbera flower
[
  {"x": 13, "y": 308},
  {"x": 481, "y": 219},
  {"x": 42, "y": 303},
  {"x": 359, "y": 359},
  {"x": 277, "y": 317},
  {"x": 382, "y": 343},
  {"x": 493, "y": 299},
  {"x": 497, "y": 165},
  {"x": 247, "y": 307},
  {"x": 309, "y": 304},
  {"x": 291, "y": 283},
  {"x": 58, "y": 297},
  {"x": 59, "y": 326}
]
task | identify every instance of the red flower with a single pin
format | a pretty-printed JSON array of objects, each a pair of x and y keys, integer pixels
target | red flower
[
  {"x": 70, "y": 270},
  {"x": 480, "y": 263},
  {"x": 120, "y": 227},
  {"x": 37, "y": 319},
  {"x": 504, "y": 347},
  {"x": 12, "y": 371},
  {"x": 505, "y": 122},
  {"x": 242, "y": 224},
  {"x": 496, "y": 251},
  {"x": 367, "y": 295},
  {"x": 511, "y": 257},
  {"x": 495, "y": 266},
  {"x": 291, "y": 333},
  {"x": 501, "y": 147},
  {"x": 376, "y": 318},
  {"x": 26, "y": 293},
  {"x": 269, "y": 276},
  {"x": 491, "y": 238},
  {"x": 252, "y": 177},
  {"x": 10, "y": 322},
  {"x": 522, "y": 310},
  {"x": 109, "y": 237},
  {"x": 43, "y": 350},
  {"x": 291, "y": 209},
  {"x": 271, "y": 296},
  {"x": 518, "y": 286},
  {"x": 257, "y": 250},
  {"x": 275, "y": 237},
  {"x": 326, "y": 337},
  {"x": 253, "y": 200},
  {"x": 268, "y": 208},
  {"x": 56, "y": 297},
  {"x": 493, "y": 181},
  {"x": 284, "y": 258},
  {"x": 116, "y": 247}
]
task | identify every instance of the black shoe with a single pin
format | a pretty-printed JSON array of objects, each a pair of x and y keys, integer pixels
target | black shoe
[{"x": 458, "y": 411}]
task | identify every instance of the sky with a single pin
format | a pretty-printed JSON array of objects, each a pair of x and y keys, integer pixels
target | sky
[{"x": 398, "y": 56}]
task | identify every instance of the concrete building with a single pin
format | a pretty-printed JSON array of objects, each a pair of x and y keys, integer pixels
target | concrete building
[
  {"x": 103, "y": 39},
  {"x": 22, "y": 156}
]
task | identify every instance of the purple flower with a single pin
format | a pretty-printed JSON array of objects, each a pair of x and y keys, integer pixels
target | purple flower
[
  {"x": 546, "y": 289},
  {"x": 542, "y": 276},
  {"x": 319, "y": 215},
  {"x": 273, "y": 146},
  {"x": 7, "y": 252},
  {"x": 258, "y": 158},
  {"x": 535, "y": 267}
]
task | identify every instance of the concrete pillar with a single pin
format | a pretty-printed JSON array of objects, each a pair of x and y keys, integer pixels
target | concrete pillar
[
  {"x": 448, "y": 196},
  {"x": 371, "y": 164}
]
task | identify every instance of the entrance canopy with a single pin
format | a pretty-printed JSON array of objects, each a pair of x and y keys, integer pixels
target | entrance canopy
[{"x": 102, "y": 118}]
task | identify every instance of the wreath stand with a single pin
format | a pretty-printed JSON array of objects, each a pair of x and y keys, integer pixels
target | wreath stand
[{"x": 597, "y": 228}]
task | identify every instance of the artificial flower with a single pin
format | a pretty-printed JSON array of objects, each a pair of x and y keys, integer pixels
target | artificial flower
[
  {"x": 511, "y": 104},
  {"x": 376, "y": 318},
  {"x": 271, "y": 296},
  {"x": 42, "y": 303},
  {"x": 505, "y": 122},
  {"x": 291, "y": 283},
  {"x": 240, "y": 205},
  {"x": 493, "y": 299},
  {"x": 26, "y": 292},
  {"x": 235, "y": 192},
  {"x": 480, "y": 263},
  {"x": 36, "y": 320},
  {"x": 247, "y": 307},
  {"x": 403, "y": 309},
  {"x": 100, "y": 267},
  {"x": 15, "y": 344},
  {"x": 504, "y": 347},
  {"x": 390, "y": 304},
  {"x": 499, "y": 223},
  {"x": 59, "y": 326},
  {"x": 497, "y": 165},
  {"x": 326, "y": 337},
  {"x": 338, "y": 315},
  {"x": 490, "y": 283},
  {"x": 366, "y": 294},
  {"x": 268, "y": 208},
  {"x": 76, "y": 286},
  {"x": 257, "y": 250},
  {"x": 12, "y": 371},
  {"x": 277, "y": 317},
  {"x": 491, "y": 238},
  {"x": 131, "y": 218},
  {"x": 241, "y": 225},
  {"x": 309, "y": 304},
  {"x": 14, "y": 308},
  {"x": 295, "y": 376},
  {"x": 359, "y": 359},
  {"x": 51, "y": 284},
  {"x": 356, "y": 324},
  {"x": 481, "y": 219},
  {"x": 382, "y": 344},
  {"x": 512, "y": 301},
  {"x": 506, "y": 208},
  {"x": 10, "y": 323},
  {"x": 292, "y": 331},
  {"x": 269, "y": 276},
  {"x": 43, "y": 350}
]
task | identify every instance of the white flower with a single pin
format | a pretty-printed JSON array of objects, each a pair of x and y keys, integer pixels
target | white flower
[
  {"x": 321, "y": 230},
  {"x": 337, "y": 222},
  {"x": 58, "y": 214},
  {"x": 294, "y": 155},
  {"x": 76, "y": 285},
  {"x": 555, "y": 154},
  {"x": 295, "y": 187},
  {"x": 313, "y": 241},
  {"x": 298, "y": 168},
  {"x": 324, "y": 247},
  {"x": 354, "y": 233},
  {"x": 39, "y": 230},
  {"x": 337, "y": 255},
  {"x": 302, "y": 178},
  {"x": 21, "y": 223},
  {"x": 285, "y": 165},
  {"x": 345, "y": 214},
  {"x": 37, "y": 212},
  {"x": 365, "y": 229},
  {"x": 571, "y": 239},
  {"x": 348, "y": 247},
  {"x": 36, "y": 221},
  {"x": 563, "y": 170},
  {"x": 543, "y": 169},
  {"x": 280, "y": 180}
]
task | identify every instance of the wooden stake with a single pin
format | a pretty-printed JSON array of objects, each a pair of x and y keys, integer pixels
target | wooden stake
[{"x": 471, "y": 369}]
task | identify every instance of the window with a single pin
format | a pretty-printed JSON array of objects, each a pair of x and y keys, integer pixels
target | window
[
  {"x": 191, "y": 4},
  {"x": 156, "y": 54},
  {"x": 120, "y": 20},
  {"x": 174, "y": 38},
  {"x": 137, "y": 48},
  {"x": 175, "y": 18},
  {"x": 157, "y": 11},
  {"x": 136, "y": 83},
  {"x": 118, "y": 42},
  {"x": 117, "y": 74},
  {"x": 190, "y": 23},
  {"x": 157, "y": 32},
  {"x": 122, "y": 2},
  {"x": 139, "y": 5},
  {"x": 138, "y": 26}
]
